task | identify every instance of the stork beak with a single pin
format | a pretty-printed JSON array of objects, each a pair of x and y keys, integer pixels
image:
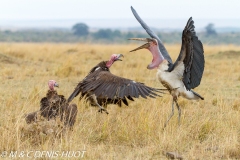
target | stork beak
[
  {"x": 56, "y": 85},
  {"x": 118, "y": 57},
  {"x": 144, "y": 46}
]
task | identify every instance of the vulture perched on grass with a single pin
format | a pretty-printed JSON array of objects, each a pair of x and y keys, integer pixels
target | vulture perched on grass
[
  {"x": 101, "y": 87},
  {"x": 55, "y": 105}
]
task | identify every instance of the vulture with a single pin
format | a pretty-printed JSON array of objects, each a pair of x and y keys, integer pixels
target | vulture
[
  {"x": 100, "y": 87},
  {"x": 185, "y": 74},
  {"x": 55, "y": 105},
  {"x": 31, "y": 117}
]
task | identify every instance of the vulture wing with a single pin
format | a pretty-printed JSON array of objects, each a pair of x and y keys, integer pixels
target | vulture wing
[
  {"x": 106, "y": 85},
  {"x": 31, "y": 117},
  {"x": 70, "y": 114},
  {"x": 44, "y": 107},
  {"x": 192, "y": 56},
  {"x": 153, "y": 35}
]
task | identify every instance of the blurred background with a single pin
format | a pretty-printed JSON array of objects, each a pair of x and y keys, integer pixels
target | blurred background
[{"x": 105, "y": 21}]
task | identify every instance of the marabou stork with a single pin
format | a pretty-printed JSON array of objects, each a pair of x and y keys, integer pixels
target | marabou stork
[
  {"x": 186, "y": 73},
  {"x": 101, "y": 87}
]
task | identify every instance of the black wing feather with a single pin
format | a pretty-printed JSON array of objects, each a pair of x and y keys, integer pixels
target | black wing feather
[
  {"x": 130, "y": 98},
  {"x": 124, "y": 100},
  {"x": 192, "y": 55}
]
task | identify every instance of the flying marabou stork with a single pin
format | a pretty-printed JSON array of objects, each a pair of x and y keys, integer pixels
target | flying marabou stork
[
  {"x": 186, "y": 73},
  {"x": 101, "y": 87}
]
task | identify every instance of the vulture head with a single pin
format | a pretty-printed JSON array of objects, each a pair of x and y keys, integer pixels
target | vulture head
[
  {"x": 152, "y": 46},
  {"x": 52, "y": 84},
  {"x": 113, "y": 58}
]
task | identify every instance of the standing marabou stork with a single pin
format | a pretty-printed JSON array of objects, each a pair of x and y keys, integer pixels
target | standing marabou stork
[
  {"x": 186, "y": 73},
  {"x": 101, "y": 87}
]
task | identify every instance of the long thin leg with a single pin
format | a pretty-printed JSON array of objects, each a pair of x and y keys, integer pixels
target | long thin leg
[
  {"x": 179, "y": 113},
  {"x": 101, "y": 108},
  {"x": 170, "y": 115}
]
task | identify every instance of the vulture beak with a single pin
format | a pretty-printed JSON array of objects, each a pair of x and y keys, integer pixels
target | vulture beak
[
  {"x": 145, "y": 46},
  {"x": 56, "y": 85},
  {"x": 118, "y": 57}
]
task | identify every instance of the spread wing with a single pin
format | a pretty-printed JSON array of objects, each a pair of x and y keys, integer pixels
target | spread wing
[
  {"x": 106, "y": 85},
  {"x": 153, "y": 35},
  {"x": 192, "y": 56}
]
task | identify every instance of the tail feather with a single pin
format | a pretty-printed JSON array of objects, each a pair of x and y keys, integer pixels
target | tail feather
[{"x": 196, "y": 94}]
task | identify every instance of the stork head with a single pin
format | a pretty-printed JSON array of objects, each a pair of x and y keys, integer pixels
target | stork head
[
  {"x": 113, "y": 58},
  {"x": 152, "y": 46},
  {"x": 52, "y": 84}
]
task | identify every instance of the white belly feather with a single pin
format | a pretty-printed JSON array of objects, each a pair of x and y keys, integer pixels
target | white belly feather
[{"x": 174, "y": 81}]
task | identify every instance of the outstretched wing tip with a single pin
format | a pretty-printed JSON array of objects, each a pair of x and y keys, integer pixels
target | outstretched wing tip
[
  {"x": 152, "y": 34},
  {"x": 73, "y": 95},
  {"x": 69, "y": 99},
  {"x": 133, "y": 10}
]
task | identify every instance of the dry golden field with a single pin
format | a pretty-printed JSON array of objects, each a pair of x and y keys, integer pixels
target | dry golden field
[{"x": 209, "y": 129}]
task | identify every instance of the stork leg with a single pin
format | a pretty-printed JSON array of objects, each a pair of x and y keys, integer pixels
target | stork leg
[
  {"x": 179, "y": 113},
  {"x": 170, "y": 115},
  {"x": 101, "y": 108}
]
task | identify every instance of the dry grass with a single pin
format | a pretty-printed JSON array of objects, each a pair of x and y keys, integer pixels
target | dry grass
[{"x": 210, "y": 129}]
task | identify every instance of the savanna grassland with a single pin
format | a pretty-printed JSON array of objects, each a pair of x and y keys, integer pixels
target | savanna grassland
[{"x": 209, "y": 129}]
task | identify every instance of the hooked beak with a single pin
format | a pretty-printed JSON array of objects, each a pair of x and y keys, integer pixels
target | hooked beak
[
  {"x": 56, "y": 85},
  {"x": 144, "y": 46},
  {"x": 118, "y": 57}
]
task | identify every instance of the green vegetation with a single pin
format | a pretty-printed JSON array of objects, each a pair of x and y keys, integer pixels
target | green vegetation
[
  {"x": 80, "y": 29},
  {"x": 109, "y": 36}
]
